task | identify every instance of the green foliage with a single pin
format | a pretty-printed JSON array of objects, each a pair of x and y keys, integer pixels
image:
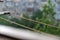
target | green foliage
[
  {"x": 38, "y": 14},
  {"x": 37, "y": 25},
  {"x": 48, "y": 9},
  {"x": 26, "y": 22},
  {"x": 26, "y": 15},
  {"x": 49, "y": 13},
  {"x": 45, "y": 15}
]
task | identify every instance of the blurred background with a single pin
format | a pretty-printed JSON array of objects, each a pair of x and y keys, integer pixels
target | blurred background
[{"x": 32, "y": 17}]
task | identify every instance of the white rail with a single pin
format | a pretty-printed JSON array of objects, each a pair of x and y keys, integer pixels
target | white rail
[{"x": 25, "y": 34}]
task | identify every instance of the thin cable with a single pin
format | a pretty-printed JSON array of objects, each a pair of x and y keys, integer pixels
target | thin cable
[
  {"x": 38, "y": 22},
  {"x": 20, "y": 25}
]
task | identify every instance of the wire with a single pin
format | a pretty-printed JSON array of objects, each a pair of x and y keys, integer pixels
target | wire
[
  {"x": 20, "y": 25},
  {"x": 39, "y": 31},
  {"x": 37, "y": 22}
]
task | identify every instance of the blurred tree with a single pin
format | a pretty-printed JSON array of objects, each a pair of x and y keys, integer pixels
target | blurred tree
[
  {"x": 46, "y": 16},
  {"x": 26, "y": 22},
  {"x": 38, "y": 14},
  {"x": 49, "y": 13}
]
